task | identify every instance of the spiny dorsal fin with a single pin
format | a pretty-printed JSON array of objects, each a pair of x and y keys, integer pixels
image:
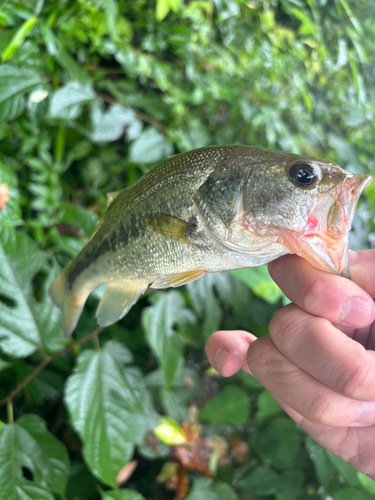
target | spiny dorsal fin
[
  {"x": 112, "y": 196},
  {"x": 169, "y": 226},
  {"x": 179, "y": 279}
]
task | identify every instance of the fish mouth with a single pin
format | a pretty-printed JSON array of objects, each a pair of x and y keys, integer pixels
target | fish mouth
[{"x": 324, "y": 240}]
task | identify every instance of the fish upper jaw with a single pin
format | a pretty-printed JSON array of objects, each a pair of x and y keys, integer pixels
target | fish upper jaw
[{"x": 324, "y": 240}]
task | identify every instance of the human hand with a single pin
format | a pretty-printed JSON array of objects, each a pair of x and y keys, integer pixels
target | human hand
[{"x": 318, "y": 360}]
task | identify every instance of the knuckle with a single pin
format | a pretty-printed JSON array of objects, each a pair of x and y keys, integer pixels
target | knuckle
[
  {"x": 322, "y": 409},
  {"x": 260, "y": 357},
  {"x": 291, "y": 327},
  {"x": 358, "y": 379},
  {"x": 311, "y": 297}
]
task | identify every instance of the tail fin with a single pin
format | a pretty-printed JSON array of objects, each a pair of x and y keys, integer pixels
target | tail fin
[{"x": 71, "y": 305}]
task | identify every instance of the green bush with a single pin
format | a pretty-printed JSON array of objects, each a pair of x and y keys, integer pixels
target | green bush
[{"x": 93, "y": 93}]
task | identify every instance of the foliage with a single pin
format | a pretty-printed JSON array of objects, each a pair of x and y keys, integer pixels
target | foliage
[{"x": 93, "y": 93}]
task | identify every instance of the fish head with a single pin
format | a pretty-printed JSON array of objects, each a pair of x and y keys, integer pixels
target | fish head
[{"x": 309, "y": 203}]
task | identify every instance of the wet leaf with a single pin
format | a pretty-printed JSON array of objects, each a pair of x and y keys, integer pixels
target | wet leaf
[
  {"x": 28, "y": 444},
  {"x": 14, "y": 83},
  {"x": 231, "y": 405}
]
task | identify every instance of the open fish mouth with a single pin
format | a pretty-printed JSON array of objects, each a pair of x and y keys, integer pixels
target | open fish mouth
[{"x": 324, "y": 241}]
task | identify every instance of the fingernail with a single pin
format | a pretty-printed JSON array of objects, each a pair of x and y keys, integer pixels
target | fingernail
[
  {"x": 367, "y": 414},
  {"x": 356, "y": 312},
  {"x": 220, "y": 356}
]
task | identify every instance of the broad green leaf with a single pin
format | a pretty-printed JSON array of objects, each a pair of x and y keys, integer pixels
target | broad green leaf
[
  {"x": 169, "y": 432},
  {"x": 162, "y": 9},
  {"x": 27, "y": 443},
  {"x": 121, "y": 495},
  {"x": 267, "y": 406},
  {"x": 14, "y": 83},
  {"x": 158, "y": 322},
  {"x": 19, "y": 37},
  {"x": 109, "y": 126},
  {"x": 351, "y": 494},
  {"x": 150, "y": 147},
  {"x": 11, "y": 214},
  {"x": 278, "y": 442},
  {"x": 366, "y": 482},
  {"x": 110, "y": 8},
  {"x": 291, "y": 483},
  {"x": 104, "y": 409},
  {"x": 208, "y": 489},
  {"x": 25, "y": 323},
  {"x": 260, "y": 282},
  {"x": 348, "y": 472},
  {"x": 205, "y": 292},
  {"x": 261, "y": 481},
  {"x": 231, "y": 405},
  {"x": 67, "y": 101},
  {"x": 80, "y": 217},
  {"x": 325, "y": 472},
  {"x": 4, "y": 365}
]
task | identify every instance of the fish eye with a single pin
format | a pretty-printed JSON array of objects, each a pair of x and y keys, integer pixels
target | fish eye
[{"x": 303, "y": 175}]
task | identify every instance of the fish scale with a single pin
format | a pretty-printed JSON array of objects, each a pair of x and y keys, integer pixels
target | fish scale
[{"x": 209, "y": 210}]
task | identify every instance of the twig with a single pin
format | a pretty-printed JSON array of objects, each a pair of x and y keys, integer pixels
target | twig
[{"x": 46, "y": 362}]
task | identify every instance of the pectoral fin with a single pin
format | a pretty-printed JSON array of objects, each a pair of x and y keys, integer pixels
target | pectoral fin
[
  {"x": 174, "y": 280},
  {"x": 118, "y": 298},
  {"x": 169, "y": 226}
]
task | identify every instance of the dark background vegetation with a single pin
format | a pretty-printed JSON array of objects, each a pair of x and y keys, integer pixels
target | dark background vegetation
[{"x": 93, "y": 93}]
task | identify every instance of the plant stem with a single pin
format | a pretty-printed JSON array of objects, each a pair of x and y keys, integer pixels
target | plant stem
[
  {"x": 8, "y": 400},
  {"x": 10, "y": 412}
]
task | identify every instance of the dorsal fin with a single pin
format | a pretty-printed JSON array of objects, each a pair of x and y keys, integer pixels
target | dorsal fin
[{"x": 112, "y": 196}]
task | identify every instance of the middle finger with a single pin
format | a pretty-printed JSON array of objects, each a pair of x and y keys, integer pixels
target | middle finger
[{"x": 324, "y": 352}]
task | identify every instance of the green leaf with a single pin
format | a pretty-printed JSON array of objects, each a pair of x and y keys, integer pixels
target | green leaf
[
  {"x": 110, "y": 8},
  {"x": 261, "y": 481},
  {"x": 104, "y": 409},
  {"x": 366, "y": 482},
  {"x": 14, "y": 83},
  {"x": 67, "y": 101},
  {"x": 231, "y": 405},
  {"x": 267, "y": 406},
  {"x": 291, "y": 483},
  {"x": 162, "y": 9},
  {"x": 80, "y": 217},
  {"x": 150, "y": 147},
  {"x": 4, "y": 365},
  {"x": 169, "y": 432},
  {"x": 158, "y": 322},
  {"x": 109, "y": 126},
  {"x": 11, "y": 214},
  {"x": 25, "y": 323},
  {"x": 325, "y": 472},
  {"x": 208, "y": 489},
  {"x": 260, "y": 282},
  {"x": 27, "y": 443},
  {"x": 351, "y": 494},
  {"x": 121, "y": 495},
  {"x": 19, "y": 38},
  {"x": 278, "y": 442},
  {"x": 346, "y": 471}
]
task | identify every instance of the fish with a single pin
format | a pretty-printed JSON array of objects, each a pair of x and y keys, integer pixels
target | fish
[{"x": 212, "y": 209}]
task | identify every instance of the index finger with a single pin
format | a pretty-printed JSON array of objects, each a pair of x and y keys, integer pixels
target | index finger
[{"x": 329, "y": 296}]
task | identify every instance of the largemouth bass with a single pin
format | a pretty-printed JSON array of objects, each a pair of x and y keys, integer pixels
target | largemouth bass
[{"x": 208, "y": 210}]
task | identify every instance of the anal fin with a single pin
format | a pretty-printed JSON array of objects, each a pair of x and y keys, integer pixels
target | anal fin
[
  {"x": 179, "y": 279},
  {"x": 118, "y": 298}
]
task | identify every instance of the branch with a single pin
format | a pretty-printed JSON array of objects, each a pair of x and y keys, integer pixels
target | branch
[{"x": 46, "y": 361}]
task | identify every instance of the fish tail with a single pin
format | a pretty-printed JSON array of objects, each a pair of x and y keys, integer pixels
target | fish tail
[{"x": 70, "y": 303}]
